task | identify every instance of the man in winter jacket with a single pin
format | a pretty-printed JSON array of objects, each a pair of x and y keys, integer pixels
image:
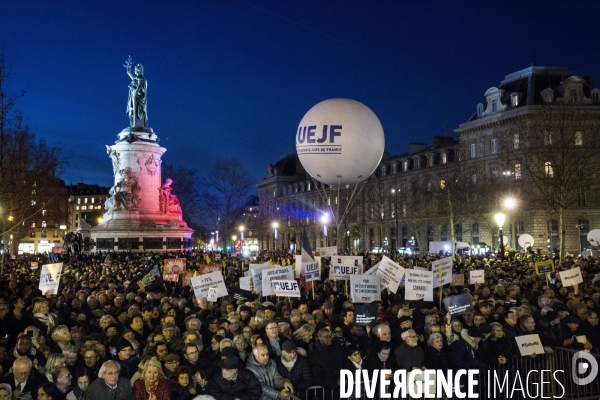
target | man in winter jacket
[
  {"x": 294, "y": 367},
  {"x": 234, "y": 383},
  {"x": 274, "y": 386}
]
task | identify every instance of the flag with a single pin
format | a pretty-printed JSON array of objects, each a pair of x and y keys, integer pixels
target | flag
[{"x": 305, "y": 258}]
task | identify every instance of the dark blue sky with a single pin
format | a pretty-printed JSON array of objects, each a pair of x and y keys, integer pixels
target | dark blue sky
[{"x": 233, "y": 78}]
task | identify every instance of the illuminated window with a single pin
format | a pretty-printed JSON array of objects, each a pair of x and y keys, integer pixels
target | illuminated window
[
  {"x": 473, "y": 150},
  {"x": 79, "y": 200},
  {"x": 85, "y": 200},
  {"x": 33, "y": 224},
  {"x": 495, "y": 173},
  {"x": 578, "y": 138},
  {"x": 43, "y": 212},
  {"x": 514, "y": 99},
  {"x": 517, "y": 171},
  {"x": 84, "y": 207},
  {"x": 77, "y": 208},
  {"x": 33, "y": 202},
  {"x": 516, "y": 141},
  {"x": 442, "y": 183},
  {"x": 93, "y": 198},
  {"x": 43, "y": 224},
  {"x": 548, "y": 169},
  {"x": 493, "y": 146},
  {"x": 405, "y": 165},
  {"x": 444, "y": 158},
  {"x": 547, "y": 138}
]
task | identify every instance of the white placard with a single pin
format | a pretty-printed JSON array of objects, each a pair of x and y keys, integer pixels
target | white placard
[
  {"x": 390, "y": 273},
  {"x": 212, "y": 294},
  {"x": 477, "y": 276},
  {"x": 276, "y": 273},
  {"x": 420, "y": 269},
  {"x": 419, "y": 285},
  {"x": 365, "y": 288},
  {"x": 442, "y": 272},
  {"x": 571, "y": 277},
  {"x": 50, "y": 278},
  {"x": 285, "y": 288},
  {"x": 344, "y": 266},
  {"x": 311, "y": 270},
  {"x": 245, "y": 283},
  {"x": 529, "y": 344},
  {"x": 202, "y": 283},
  {"x": 256, "y": 273},
  {"x": 325, "y": 251}
]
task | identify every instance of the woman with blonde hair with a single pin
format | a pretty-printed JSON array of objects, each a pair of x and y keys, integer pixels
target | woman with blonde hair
[
  {"x": 153, "y": 385},
  {"x": 54, "y": 363},
  {"x": 42, "y": 317}
]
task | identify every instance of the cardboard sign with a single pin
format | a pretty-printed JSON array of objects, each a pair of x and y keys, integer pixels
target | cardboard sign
[
  {"x": 442, "y": 272},
  {"x": 256, "y": 274},
  {"x": 477, "y": 276},
  {"x": 34, "y": 265},
  {"x": 174, "y": 266},
  {"x": 390, "y": 273},
  {"x": 275, "y": 273},
  {"x": 543, "y": 267},
  {"x": 245, "y": 283},
  {"x": 571, "y": 277},
  {"x": 365, "y": 288},
  {"x": 50, "y": 278},
  {"x": 419, "y": 285},
  {"x": 286, "y": 288},
  {"x": 364, "y": 313},
  {"x": 202, "y": 283},
  {"x": 208, "y": 268},
  {"x": 310, "y": 270},
  {"x": 458, "y": 280},
  {"x": 530, "y": 344},
  {"x": 459, "y": 304},
  {"x": 171, "y": 277},
  {"x": 344, "y": 266}
]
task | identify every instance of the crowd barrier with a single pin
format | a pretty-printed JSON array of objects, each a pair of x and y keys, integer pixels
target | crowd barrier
[{"x": 525, "y": 372}]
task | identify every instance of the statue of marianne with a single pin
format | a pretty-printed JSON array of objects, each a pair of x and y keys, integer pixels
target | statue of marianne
[{"x": 136, "y": 104}]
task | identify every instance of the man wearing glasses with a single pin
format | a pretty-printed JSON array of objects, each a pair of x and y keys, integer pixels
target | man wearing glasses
[
  {"x": 110, "y": 385},
  {"x": 24, "y": 380}
]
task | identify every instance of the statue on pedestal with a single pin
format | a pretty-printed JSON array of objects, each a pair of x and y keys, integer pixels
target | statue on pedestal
[
  {"x": 169, "y": 203},
  {"x": 136, "y": 105},
  {"x": 125, "y": 193}
]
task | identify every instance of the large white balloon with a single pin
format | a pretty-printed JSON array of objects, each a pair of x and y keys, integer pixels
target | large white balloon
[{"x": 340, "y": 141}]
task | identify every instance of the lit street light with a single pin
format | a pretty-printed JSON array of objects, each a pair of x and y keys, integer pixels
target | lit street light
[
  {"x": 325, "y": 220},
  {"x": 275, "y": 225},
  {"x": 500, "y": 221},
  {"x": 510, "y": 203},
  {"x": 241, "y": 228}
]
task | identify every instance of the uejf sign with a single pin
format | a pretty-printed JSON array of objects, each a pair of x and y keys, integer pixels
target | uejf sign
[{"x": 286, "y": 288}]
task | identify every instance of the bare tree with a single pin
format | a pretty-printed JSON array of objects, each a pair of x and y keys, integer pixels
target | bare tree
[
  {"x": 224, "y": 191},
  {"x": 186, "y": 187}
]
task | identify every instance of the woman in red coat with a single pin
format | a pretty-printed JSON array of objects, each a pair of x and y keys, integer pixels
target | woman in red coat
[{"x": 153, "y": 385}]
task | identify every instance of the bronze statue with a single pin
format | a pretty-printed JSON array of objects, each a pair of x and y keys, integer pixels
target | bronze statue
[{"x": 136, "y": 105}]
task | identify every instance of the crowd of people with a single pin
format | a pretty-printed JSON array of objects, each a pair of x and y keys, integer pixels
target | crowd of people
[{"x": 101, "y": 337}]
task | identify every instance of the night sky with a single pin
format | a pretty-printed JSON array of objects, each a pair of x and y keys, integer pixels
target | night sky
[{"x": 233, "y": 78}]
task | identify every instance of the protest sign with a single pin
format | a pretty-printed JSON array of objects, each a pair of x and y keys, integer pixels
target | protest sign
[
  {"x": 212, "y": 294},
  {"x": 364, "y": 313},
  {"x": 310, "y": 269},
  {"x": 208, "y": 268},
  {"x": 458, "y": 280},
  {"x": 571, "y": 277},
  {"x": 245, "y": 283},
  {"x": 442, "y": 272},
  {"x": 174, "y": 266},
  {"x": 202, "y": 283},
  {"x": 373, "y": 272},
  {"x": 364, "y": 288},
  {"x": 186, "y": 279},
  {"x": 326, "y": 251},
  {"x": 50, "y": 278},
  {"x": 459, "y": 304},
  {"x": 256, "y": 274},
  {"x": 529, "y": 344},
  {"x": 477, "y": 276},
  {"x": 275, "y": 273},
  {"x": 390, "y": 273},
  {"x": 285, "y": 288},
  {"x": 420, "y": 269},
  {"x": 171, "y": 277},
  {"x": 419, "y": 285},
  {"x": 344, "y": 266},
  {"x": 34, "y": 265},
  {"x": 543, "y": 267}
]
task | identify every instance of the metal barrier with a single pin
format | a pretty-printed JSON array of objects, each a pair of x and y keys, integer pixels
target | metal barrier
[{"x": 545, "y": 376}]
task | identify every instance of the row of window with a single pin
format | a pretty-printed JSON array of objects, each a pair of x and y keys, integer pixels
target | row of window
[
  {"x": 577, "y": 140},
  {"x": 92, "y": 200},
  {"x": 84, "y": 208}
]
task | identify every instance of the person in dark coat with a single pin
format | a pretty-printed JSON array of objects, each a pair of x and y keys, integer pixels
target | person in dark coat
[
  {"x": 409, "y": 354},
  {"x": 435, "y": 353},
  {"x": 294, "y": 367},
  {"x": 325, "y": 360},
  {"x": 462, "y": 354},
  {"x": 379, "y": 360},
  {"x": 24, "y": 378},
  {"x": 109, "y": 385},
  {"x": 354, "y": 359},
  {"x": 234, "y": 382}
]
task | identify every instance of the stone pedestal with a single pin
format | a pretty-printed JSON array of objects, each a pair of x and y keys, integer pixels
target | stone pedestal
[{"x": 142, "y": 214}]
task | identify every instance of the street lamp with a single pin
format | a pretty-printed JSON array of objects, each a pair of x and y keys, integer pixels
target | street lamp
[
  {"x": 275, "y": 225},
  {"x": 396, "y": 215},
  {"x": 500, "y": 221},
  {"x": 325, "y": 220}
]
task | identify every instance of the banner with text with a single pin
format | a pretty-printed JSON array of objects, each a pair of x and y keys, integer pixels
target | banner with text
[
  {"x": 286, "y": 288},
  {"x": 530, "y": 344},
  {"x": 325, "y": 251},
  {"x": 419, "y": 285},
  {"x": 275, "y": 273},
  {"x": 459, "y": 304},
  {"x": 543, "y": 267},
  {"x": 390, "y": 273},
  {"x": 442, "y": 272},
  {"x": 364, "y": 288},
  {"x": 208, "y": 268},
  {"x": 256, "y": 274},
  {"x": 342, "y": 267},
  {"x": 364, "y": 313},
  {"x": 202, "y": 283},
  {"x": 50, "y": 278},
  {"x": 477, "y": 276}
]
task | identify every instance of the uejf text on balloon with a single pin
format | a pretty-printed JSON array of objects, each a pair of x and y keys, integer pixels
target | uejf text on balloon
[{"x": 308, "y": 133}]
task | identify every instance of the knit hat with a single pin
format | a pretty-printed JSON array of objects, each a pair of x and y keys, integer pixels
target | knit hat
[
  {"x": 229, "y": 363},
  {"x": 229, "y": 351},
  {"x": 123, "y": 344},
  {"x": 289, "y": 346}
]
